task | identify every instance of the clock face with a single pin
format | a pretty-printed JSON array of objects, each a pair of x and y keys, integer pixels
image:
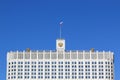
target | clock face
[{"x": 60, "y": 44}]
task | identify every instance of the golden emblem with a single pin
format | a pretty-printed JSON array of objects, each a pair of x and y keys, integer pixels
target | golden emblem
[{"x": 60, "y": 44}]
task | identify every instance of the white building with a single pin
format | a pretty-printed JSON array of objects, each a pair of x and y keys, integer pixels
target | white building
[{"x": 60, "y": 64}]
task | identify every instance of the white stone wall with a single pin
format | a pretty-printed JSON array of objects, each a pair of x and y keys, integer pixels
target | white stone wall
[{"x": 99, "y": 63}]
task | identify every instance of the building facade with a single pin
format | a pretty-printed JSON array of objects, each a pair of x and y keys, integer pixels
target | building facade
[{"x": 60, "y": 64}]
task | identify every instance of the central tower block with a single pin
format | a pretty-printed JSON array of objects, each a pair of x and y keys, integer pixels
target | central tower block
[{"x": 60, "y": 45}]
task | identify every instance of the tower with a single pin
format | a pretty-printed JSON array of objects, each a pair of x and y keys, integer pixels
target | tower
[{"x": 60, "y": 45}]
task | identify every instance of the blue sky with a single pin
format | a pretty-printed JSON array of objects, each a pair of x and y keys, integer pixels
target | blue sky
[{"x": 35, "y": 24}]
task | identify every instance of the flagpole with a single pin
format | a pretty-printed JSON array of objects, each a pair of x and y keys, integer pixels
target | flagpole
[{"x": 61, "y": 29}]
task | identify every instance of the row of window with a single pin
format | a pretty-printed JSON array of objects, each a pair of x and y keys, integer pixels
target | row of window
[
  {"x": 61, "y": 77},
  {"x": 100, "y": 62},
  {"x": 60, "y": 73},
  {"x": 60, "y": 66},
  {"x": 21, "y": 70}
]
